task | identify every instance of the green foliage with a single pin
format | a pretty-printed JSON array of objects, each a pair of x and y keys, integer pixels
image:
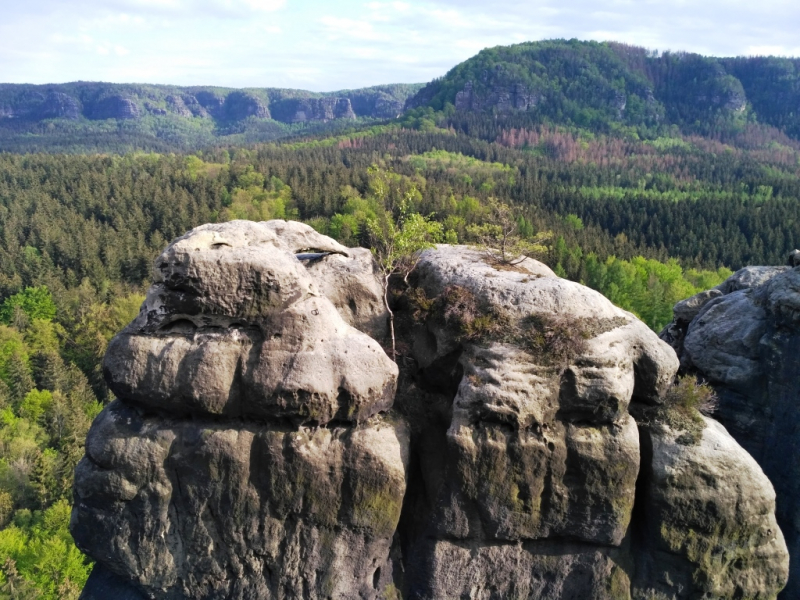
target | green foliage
[
  {"x": 681, "y": 409},
  {"x": 39, "y": 555},
  {"x": 554, "y": 340},
  {"x": 35, "y": 404},
  {"x": 688, "y": 395},
  {"x": 256, "y": 200},
  {"x": 646, "y": 287},
  {"x": 398, "y": 242},
  {"x": 615, "y": 88},
  {"x": 35, "y": 302},
  {"x": 501, "y": 239},
  {"x": 46, "y": 407}
]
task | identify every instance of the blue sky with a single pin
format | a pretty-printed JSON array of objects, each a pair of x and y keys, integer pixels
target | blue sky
[{"x": 326, "y": 46}]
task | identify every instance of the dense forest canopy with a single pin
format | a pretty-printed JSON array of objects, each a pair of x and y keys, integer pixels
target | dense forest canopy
[{"x": 647, "y": 203}]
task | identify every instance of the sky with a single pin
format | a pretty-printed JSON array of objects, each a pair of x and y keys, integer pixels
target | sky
[{"x": 326, "y": 46}]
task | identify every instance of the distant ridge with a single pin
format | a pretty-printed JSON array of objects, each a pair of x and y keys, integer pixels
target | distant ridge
[
  {"x": 602, "y": 87},
  {"x": 98, "y": 101}
]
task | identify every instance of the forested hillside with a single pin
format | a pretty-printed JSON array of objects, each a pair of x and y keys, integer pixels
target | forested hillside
[
  {"x": 614, "y": 87},
  {"x": 648, "y": 204}
]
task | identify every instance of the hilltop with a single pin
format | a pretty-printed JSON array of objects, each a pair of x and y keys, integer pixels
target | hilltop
[
  {"x": 607, "y": 85},
  {"x": 603, "y": 87}
]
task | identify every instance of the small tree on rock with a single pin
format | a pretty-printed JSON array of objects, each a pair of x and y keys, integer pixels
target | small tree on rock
[
  {"x": 397, "y": 247},
  {"x": 500, "y": 236}
]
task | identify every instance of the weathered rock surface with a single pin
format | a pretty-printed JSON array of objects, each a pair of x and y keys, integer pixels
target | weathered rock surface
[
  {"x": 240, "y": 105},
  {"x": 254, "y": 450},
  {"x": 500, "y": 98},
  {"x": 710, "y": 529},
  {"x": 235, "y": 326},
  {"x": 533, "y": 489},
  {"x": 744, "y": 340},
  {"x": 114, "y": 107},
  {"x": 57, "y": 105},
  {"x": 186, "y": 508},
  {"x": 245, "y": 457},
  {"x": 177, "y": 106},
  {"x": 302, "y": 110},
  {"x": 211, "y": 102}
]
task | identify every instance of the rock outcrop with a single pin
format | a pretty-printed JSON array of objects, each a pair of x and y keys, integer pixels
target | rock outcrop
[
  {"x": 211, "y": 102},
  {"x": 59, "y": 106},
  {"x": 262, "y": 445},
  {"x": 177, "y": 106},
  {"x": 250, "y": 454},
  {"x": 743, "y": 337},
  {"x": 500, "y": 98},
  {"x": 114, "y": 107},
  {"x": 302, "y": 110},
  {"x": 240, "y": 105}
]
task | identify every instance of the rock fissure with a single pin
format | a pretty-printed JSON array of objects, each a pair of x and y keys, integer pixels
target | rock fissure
[{"x": 285, "y": 455}]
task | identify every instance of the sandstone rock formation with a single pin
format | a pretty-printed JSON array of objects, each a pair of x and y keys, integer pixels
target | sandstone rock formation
[
  {"x": 501, "y": 98},
  {"x": 59, "y": 106},
  {"x": 224, "y": 106},
  {"x": 743, "y": 337},
  {"x": 262, "y": 447},
  {"x": 240, "y": 105},
  {"x": 211, "y": 102},
  {"x": 302, "y": 110},
  {"x": 246, "y": 456},
  {"x": 114, "y": 107},
  {"x": 177, "y": 106}
]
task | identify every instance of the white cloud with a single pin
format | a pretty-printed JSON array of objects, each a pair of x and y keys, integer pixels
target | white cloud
[
  {"x": 324, "y": 46},
  {"x": 343, "y": 28}
]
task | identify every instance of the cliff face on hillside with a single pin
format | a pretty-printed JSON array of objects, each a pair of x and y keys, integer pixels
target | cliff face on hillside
[
  {"x": 744, "y": 338},
  {"x": 262, "y": 444},
  {"x": 302, "y": 110},
  {"x": 99, "y": 101}
]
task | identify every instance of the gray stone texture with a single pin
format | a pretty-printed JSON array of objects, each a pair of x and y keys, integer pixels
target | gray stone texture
[
  {"x": 261, "y": 447},
  {"x": 745, "y": 341}
]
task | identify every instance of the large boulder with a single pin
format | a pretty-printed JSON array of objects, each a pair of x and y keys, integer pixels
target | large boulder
[
  {"x": 743, "y": 337},
  {"x": 530, "y": 465},
  {"x": 263, "y": 445},
  {"x": 250, "y": 453},
  {"x": 709, "y": 520}
]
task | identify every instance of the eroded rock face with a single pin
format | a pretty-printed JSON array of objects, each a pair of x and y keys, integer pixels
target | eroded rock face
[
  {"x": 501, "y": 98},
  {"x": 258, "y": 447},
  {"x": 534, "y": 480},
  {"x": 709, "y": 520},
  {"x": 57, "y": 105},
  {"x": 743, "y": 337},
  {"x": 302, "y": 110},
  {"x": 249, "y": 454},
  {"x": 240, "y": 105},
  {"x": 114, "y": 107},
  {"x": 186, "y": 508}
]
